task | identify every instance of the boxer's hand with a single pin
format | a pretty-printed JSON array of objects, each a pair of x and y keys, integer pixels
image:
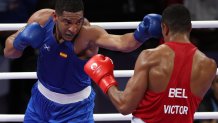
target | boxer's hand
[
  {"x": 150, "y": 27},
  {"x": 100, "y": 69},
  {"x": 32, "y": 35}
]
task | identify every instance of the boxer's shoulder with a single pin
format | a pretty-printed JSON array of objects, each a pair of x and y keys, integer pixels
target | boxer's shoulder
[{"x": 41, "y": 16}]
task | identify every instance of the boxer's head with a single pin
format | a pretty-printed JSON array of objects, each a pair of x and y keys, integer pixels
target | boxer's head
[
  {"x": 69, "y": 18},
  {"x": 177, "y": 19}
]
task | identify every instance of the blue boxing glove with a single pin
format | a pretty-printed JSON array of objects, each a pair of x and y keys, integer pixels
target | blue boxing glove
[
  {"x": 150, "y": 27},
  {"x": 32, "y": 35}
]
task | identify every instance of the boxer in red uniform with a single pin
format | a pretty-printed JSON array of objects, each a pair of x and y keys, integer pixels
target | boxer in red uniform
[{"x": 168, "y": 82}]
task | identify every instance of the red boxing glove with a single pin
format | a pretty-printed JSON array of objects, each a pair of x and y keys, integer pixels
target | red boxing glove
[{"x": 100, "y": 69}]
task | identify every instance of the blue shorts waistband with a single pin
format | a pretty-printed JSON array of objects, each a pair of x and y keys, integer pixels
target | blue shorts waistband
[{"x": 64, "y": 98}]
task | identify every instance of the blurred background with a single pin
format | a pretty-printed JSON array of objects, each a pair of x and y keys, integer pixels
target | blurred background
[{"x": 14, "y": 94}]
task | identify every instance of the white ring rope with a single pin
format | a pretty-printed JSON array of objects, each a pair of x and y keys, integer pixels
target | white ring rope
[
  {"x": 32, "y": 75},
  {"x": 106, "y": 117},
  {"x": 115, "y": 25}
]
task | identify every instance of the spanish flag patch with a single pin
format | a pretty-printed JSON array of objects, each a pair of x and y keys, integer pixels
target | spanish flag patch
[{"x": 62, "y": 54}]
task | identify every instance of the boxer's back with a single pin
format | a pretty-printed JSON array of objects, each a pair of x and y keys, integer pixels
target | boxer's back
[{"x": 176, "y": 83}]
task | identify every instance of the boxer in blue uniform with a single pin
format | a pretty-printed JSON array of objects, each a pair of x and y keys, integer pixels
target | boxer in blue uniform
[{"x": 65, "y": 41}]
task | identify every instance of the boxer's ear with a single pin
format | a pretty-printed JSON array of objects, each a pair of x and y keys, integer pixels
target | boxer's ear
[{"x": 54, "y": 15}]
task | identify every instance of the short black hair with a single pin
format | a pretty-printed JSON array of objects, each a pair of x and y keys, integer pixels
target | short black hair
[
  {"x": 69, "y": 6},
  {"x": 177, "y": 17}
]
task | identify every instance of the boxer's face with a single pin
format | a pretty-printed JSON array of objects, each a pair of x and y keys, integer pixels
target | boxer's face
[{"x": 69, "y": 24}]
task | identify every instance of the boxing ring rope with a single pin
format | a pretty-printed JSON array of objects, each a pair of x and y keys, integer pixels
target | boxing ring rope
[
  {"x": 107, "y": 117},
  {"x": 118, "y": 73},
  {"x": 32, "y": 75},
  {"x": 115, "y": 25}
]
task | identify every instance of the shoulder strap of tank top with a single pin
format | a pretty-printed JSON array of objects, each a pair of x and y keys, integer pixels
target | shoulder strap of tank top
[{"x": 182, "y": 63}]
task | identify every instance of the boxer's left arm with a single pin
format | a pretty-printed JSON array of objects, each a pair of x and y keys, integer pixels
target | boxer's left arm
[
  {"x": 150, "y": 27},
  {"x": 100, "y": 69},
  {"x": 127, "y": 101},
  {"x": 101, "y": 38}
]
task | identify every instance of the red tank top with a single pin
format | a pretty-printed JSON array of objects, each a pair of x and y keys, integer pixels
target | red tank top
[{"x": 176, "y": 104}]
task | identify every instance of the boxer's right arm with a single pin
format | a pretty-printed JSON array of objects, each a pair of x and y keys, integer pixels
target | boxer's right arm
[
  {"x": 15, "y": 50},
  {"x": 32, "y": 35},
  {"x": 9, "y": 50}
]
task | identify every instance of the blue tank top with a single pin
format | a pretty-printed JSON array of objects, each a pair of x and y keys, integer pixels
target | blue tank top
[{"x": 58, "y": 68}]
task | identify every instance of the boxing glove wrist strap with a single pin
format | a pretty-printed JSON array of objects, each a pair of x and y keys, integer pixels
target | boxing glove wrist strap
[
  {"x": 106, "y": 82},
  {"x": 139, "y": 36}
]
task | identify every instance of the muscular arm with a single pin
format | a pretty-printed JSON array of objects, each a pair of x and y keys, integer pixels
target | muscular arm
[
  {"x": 126, "y": 101},
  {"x": 123, "y": 43},
  {"x": 150, "y": 27},
  {"x": 9, "y": 50},
  {"x": 40, "y": 16}
]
